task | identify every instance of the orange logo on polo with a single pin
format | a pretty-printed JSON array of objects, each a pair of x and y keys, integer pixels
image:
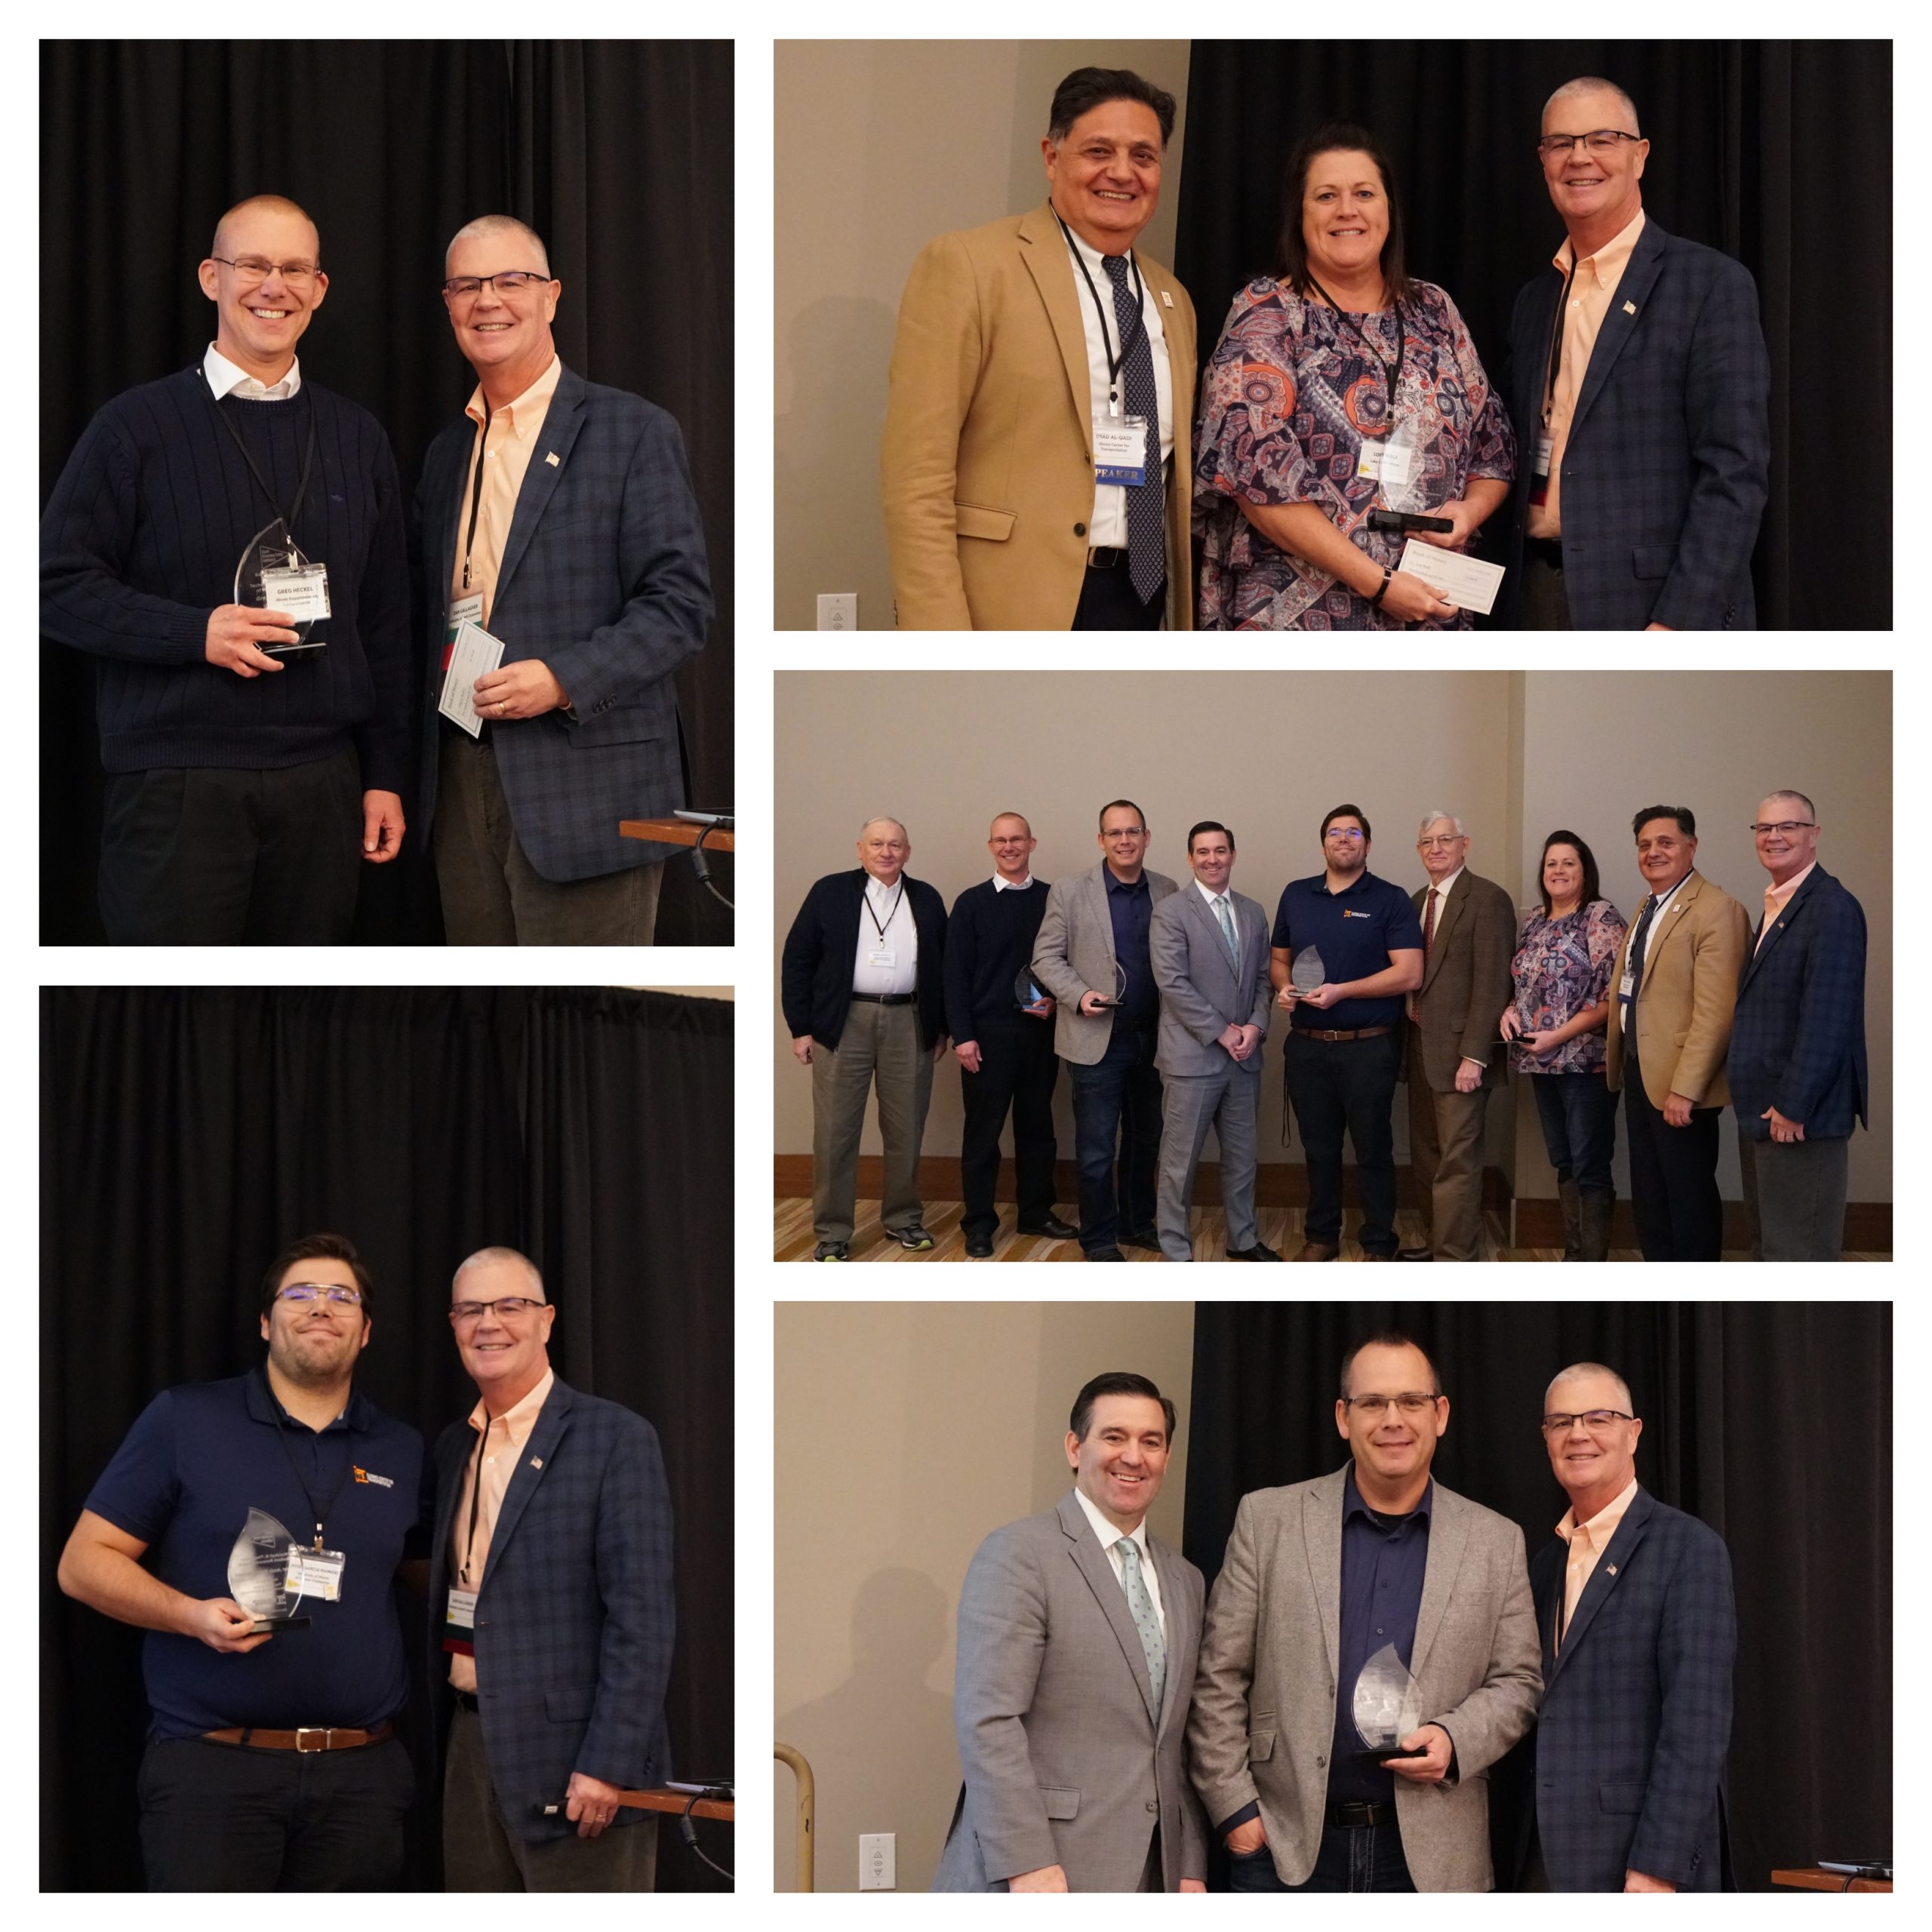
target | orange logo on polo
[{"x": 363, "y": 1475}]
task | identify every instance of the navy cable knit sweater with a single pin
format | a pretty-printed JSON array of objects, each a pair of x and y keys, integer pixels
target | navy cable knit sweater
[{"x": 139, "y": 544}]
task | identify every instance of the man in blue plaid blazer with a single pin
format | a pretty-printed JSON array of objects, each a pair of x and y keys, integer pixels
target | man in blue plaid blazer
[
  {"x": 1640, "y": 391},
  {"x": 1639, "y": 1635},
  {"x": 551, "y": 1604},
  {"x": 1797, "y": 1060},
  {"x": 559, "y": 515}
]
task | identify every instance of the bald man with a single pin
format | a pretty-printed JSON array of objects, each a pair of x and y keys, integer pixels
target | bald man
[
  {"x": 228, "y": 545},
  {"x": 864, "y": 992}
]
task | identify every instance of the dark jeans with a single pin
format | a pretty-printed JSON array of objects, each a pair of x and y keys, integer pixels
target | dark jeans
[
  {"x": 1369, "y": 1860},
  {"x": 1333, "y": 1084},
  {"x": 1673, "y": 1178},
  {"x": 1546, "y": 605},
  {"x": 1017, "y": 1070},
  {"x": 206, "y": 857},
  {"x": 1109, "y": 602},
  {"x": 1117, "y": 1102},
  {"x": 1578, "y": 1113},
  {"x": 226, "y": 1818}
]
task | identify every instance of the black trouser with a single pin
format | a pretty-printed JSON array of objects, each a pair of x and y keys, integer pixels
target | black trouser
[
  {"x": 1017, "y": 1069},
  {"x": 202, "y": 856},
  {"x": 1109, "y": 602},
  {"x": 1673, "y": 1177},
  {"x": 228, "y": 1818},
  {"x": 1338, "y": 1084}
]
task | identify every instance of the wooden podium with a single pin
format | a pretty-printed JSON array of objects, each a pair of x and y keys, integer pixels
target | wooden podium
[
  {"x": 1815, "y": 1878},
  {"x": 675, "y": 832}
]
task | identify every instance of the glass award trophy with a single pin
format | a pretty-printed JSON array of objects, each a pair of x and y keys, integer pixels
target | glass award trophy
[
  {"x": 272, "y": 573},
  {"x": 1028, "y": 993},
  {"x": 1386, "y": 1706},
  {"x": 1120, "y": 988},
  {"x": 1414, "y": 484},
  {"x": 1307, "y": 972},
  {"x": 258, "y": 1572}
]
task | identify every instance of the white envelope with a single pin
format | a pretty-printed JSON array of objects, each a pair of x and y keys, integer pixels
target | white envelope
[{"x": 473, "y": 652}]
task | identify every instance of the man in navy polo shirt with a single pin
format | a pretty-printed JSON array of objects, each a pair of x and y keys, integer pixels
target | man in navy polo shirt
[
  {"x": 272, "y": 1763},
  {"x": 1343, "y": 1052}
]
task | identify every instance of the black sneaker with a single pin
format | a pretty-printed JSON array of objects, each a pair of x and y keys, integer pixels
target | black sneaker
[
  {"x": 913, "y": 1238},
  {"x": 833, "y": 1250}
]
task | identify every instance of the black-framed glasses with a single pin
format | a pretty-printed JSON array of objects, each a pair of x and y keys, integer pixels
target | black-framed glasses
[
  {"x": 1412, "y": 1402},
  {"x": 306, "y": 1294},
  {"x": 257, "y": 268},
  {"x": 1786, "y": 825},
  {"x": 512, "y": 281},
  {"x": 1602, "y": 140},
  {"x": 508, "y": 1306},
  {"x": 1597, "y": 1421}
]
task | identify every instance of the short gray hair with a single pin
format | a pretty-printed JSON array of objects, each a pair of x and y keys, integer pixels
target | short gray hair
[
  {"x": 1578, "y": 1368},
  {"x": 1796, "y": 798},
  {"x": 1590, "y": 83},
  {"x": 1429, "y": 818},
  {"x": 498, "y": 224},
  {"x": 883, "y": 819},
  {"x": 484, "y": 1255}
]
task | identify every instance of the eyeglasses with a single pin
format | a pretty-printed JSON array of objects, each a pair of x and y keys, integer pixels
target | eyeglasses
[
  {"x": 1786, "y": 825},
  {"x": 1603, "y": 141},
  {"x": 512, "y": 281},
  {"x": 1355, "y": 837},
  {"x": 253, "y": 268},
  {"x": 508, "y": 1306},
  {"x": 1423, "y": 844},
  {"x": 1126, "y": 832},
  {"x": 1412, "y": 1404},
  {"x": 301, "y": 1294},
  {"x": 1598, "y": 1422}
]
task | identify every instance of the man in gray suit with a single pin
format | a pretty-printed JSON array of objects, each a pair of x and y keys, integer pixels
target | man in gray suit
[
  {"x": 1375, "y": 1565},
  {"x": 1092, "y": 955},
  {"x": 1078, "y": 1637},
  {"x": 1209, "y": 951}
]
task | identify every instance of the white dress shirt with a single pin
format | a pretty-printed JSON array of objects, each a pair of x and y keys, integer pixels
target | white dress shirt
[
  {"x": 900, "y": 937},
  {"x": 1002, "y": 884},
  {"x": 224, "y": 379},
  {"x": 1110, "y": 1535}
]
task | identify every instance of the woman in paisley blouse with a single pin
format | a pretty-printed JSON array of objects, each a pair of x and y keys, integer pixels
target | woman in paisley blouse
[
  {"x": 1564, "y": 961},
  {"x": 1339, "y": 386}
]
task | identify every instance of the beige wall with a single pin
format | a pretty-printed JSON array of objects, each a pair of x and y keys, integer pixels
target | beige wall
[
  {"x": 880, "y": 146},
  {"x": 904, "y": 1433}
]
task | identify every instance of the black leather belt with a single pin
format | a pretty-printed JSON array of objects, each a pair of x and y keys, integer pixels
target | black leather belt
[
  {"x": 886, "y": 999},
  {"x": 1102, "y": 557},
  {"x": 1359, "y": 1033},
  {"x": 1357, "y": 1817},
  {"x": 1544, "y": 549}
]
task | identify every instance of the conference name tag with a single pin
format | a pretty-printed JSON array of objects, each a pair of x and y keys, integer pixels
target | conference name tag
[
  {"x": 1120, "y": 450},
  {"x": 884, "y": 957},
  {"x": 1626, "y": 985},
  {"x": 1393, "y": 464},
  {"x": 315, "y": 1573},
  {"x": 303, "y": 591},
  {"x": 459, "y": 1620}
]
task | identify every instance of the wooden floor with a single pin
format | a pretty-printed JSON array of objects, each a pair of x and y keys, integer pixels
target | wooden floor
[{"x": 1281, "y": 1229}]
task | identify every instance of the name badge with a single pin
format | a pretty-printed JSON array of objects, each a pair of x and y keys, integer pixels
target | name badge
[
  {"x": 315, "y": 1573},
  {"x": 1120, "y": 450},
  {"x": 885, "y": 957},
  {"x": 1393, "y": 464},
  {"x": 459, "y": 1620},
  {"x": 465, "y": 610},
  {"x": 1626, "y": 985},
  {"x": 302, "y": 592}
]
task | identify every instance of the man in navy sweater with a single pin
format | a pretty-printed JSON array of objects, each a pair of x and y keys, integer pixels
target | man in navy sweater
[
  {"x": 1005, "y": 1049},
  {"x": 241, "y": 784}
]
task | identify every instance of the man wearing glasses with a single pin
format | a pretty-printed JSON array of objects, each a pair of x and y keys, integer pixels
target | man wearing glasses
[
  {"x": 272, "y": 1763},
  {"x": 1639, "y": 1635},
  {"x": 242, "y": 784},
  {"x": 558, "y": 515},
  {"x": 1369, "y": 1651},
  {"x": 550, "y": 1607},
  {"x": 1642, "y": 393}
]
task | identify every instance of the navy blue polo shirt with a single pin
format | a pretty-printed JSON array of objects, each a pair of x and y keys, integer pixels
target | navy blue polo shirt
[
  {"x": 1131, "y": 909},
  {"x": 197, "y": 1459},
  {"x": 1354, "y": 932}
]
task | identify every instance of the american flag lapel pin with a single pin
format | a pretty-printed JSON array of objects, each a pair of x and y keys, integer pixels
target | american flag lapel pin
[
  {"x": 1630, "y": 309},
  {"x": 1613, "y": 1569},
  {"x": 536, "y": 1462},
  {"x": 1167, "y": 300},
  {"x": 554, "y": 460}
]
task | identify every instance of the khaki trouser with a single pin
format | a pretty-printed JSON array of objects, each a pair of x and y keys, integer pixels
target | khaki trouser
[
  {"x": 1445, "y": 1150},
  {"x": 879, "y": 1047}
]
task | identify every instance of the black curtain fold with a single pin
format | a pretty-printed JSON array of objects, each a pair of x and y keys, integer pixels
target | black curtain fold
[
  {"x": 188, "y": 1134},
  {"x": 1771, "y": 1422},
  {"x": 618, "y": 152},
  {"x": 1753, "y": 143}
]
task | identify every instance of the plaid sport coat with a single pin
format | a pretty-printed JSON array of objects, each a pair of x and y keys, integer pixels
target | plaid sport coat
[
  {"x": 574, "y": 1616},
  {"x": 1667, "y": 466},
  {"x": 603, "y": 578},
  {"x": 1634, "y": 1723}
]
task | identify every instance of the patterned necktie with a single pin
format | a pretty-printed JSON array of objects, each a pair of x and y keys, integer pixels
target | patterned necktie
[
  {"x": 1639, "y": 940},
  {"x": 1146, "y": 502},
  {"x": 1228, "y": 929},
  {"x": 1427, "y": 940},
  {"x": 1140, "y": 1607}
]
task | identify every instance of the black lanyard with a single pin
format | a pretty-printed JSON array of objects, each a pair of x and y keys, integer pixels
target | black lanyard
[
  {"x": 308, "y": 460},
  {"x": 867, "y": 896},
  {"x": 1556, "y": 368},
  {"x": 476, "y": 1498},
  {"x": 320, "y": 1509},
  {"x": 1115, "y": 363},
  {"x": 1391, "y": 378},
  {"x": 476, "y": 494}
]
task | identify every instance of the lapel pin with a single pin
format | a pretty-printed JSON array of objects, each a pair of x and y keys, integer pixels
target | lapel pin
[
  {"x": 1167, "y": 300},
  {"x": 552, "y": 460},
  {"x": 536, "y": 1462},
  {"x": 1630, "y": 309},
  {"x": 1613, "y": 1569}
]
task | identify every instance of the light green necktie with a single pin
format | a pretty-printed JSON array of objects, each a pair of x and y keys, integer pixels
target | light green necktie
[{"x": 1140, "y": 1607}]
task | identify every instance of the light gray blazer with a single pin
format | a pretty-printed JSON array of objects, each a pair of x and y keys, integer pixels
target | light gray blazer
[
  {"x": 1264, "y": 1701},
  {"x": 1066, "y": 1762},
  {"x": 1202, "y": 990},
  {"x": 1074, "y": 954}
]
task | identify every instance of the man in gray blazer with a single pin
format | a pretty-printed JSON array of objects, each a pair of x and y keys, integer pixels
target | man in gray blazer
[
  {"x": 1092, "y": 955},
  {"x": 1323, "y": 1581},
  {"x": 1078, "y": 1638},
  {"x": 1209, "y": 951}
]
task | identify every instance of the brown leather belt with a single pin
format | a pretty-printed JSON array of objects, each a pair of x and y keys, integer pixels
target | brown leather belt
[
  {"x": 319, "y": 1739},
  {"x": 1360, "y": 1033}
]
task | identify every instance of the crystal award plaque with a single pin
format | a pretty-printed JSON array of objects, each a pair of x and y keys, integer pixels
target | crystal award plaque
[
  {"x": 270, "y": 551},
  {"x": 1307, "y": 972},
  {"x": 1028, "y": 993},
  {"x": 1386, "y": 1706},
  {"x": 1120, "y": 988},
  {"x": 258, "y": 1571}
]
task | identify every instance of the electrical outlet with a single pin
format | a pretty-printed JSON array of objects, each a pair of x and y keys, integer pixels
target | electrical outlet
[
  {"x": 878, "y": 1863},
  {"x": 839, "y": 611}
]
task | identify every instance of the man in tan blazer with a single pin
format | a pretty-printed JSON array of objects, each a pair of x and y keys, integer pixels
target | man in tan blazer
[
  {"x": 1673, "y": 993},
  {"x": 1371, "y": 1573},
  {"x": 1450, "y": 1035},
  {"x": 1015, "y": 341}
]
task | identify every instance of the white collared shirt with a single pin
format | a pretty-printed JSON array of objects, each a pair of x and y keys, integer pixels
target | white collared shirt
[
  {"x": 224, "y": 379},
  {"x": 1110, "y": 1535},
  {"x": 900, "y": 937},
  {"x": 1011, "y": 884}
]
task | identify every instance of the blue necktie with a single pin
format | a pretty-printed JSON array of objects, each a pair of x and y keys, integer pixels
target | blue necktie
[
  {"x": 1146, "y": 502},
  {"x": 1140, "y": 1607}
]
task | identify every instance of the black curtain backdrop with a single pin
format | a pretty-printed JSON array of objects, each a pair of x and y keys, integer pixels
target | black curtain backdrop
[
  {"x": 188, "y": 1134},
  {"x": 1771, "y": 1422},
  {"x": 1751, "y": 144},
  {"x": 619, "y": 153}
]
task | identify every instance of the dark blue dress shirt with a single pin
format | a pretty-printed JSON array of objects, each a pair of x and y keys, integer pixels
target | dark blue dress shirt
[{"x": 1131, "y": 909}]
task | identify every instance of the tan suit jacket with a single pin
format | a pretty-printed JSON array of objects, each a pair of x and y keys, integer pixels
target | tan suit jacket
[
  {"x": 1465, "y": 984},
  {"x": 987, "y": 468},
  {"x": 1692, "y": 960}
]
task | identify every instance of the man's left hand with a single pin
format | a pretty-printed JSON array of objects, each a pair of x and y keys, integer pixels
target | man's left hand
[
  {"x": 1324, "y": 996},
  {"x": 1642, "y": 1881},
  {"x": 1781, "y": 1128},
  {"x": 525, "y": 689},
  {"x": 1433, "y": 1765},
  {"x": 1469, "y": 1076},
  {"x": 1192, "y": 1885},
  {"x": 382, "y": 826},
  {"x": 592, "y": 1804},
  {"x": 1676, "y": 1110}
]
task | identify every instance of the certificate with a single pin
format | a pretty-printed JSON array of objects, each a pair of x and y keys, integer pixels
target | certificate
[
  {"x": 1468, "y": 583},
  {"x": 473, "y": 651}
]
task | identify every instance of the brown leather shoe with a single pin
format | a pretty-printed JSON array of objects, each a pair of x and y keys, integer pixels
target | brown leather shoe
[{"x": 1319, "y": 1251}]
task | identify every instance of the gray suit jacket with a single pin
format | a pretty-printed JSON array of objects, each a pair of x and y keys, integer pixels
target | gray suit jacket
[
  {"x": 1202, "y": 990},
  {"x": 1264, "y": 1701},
  {"x": 1066, "y": 1761},
  {"x": 1075, "y": 955}
]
